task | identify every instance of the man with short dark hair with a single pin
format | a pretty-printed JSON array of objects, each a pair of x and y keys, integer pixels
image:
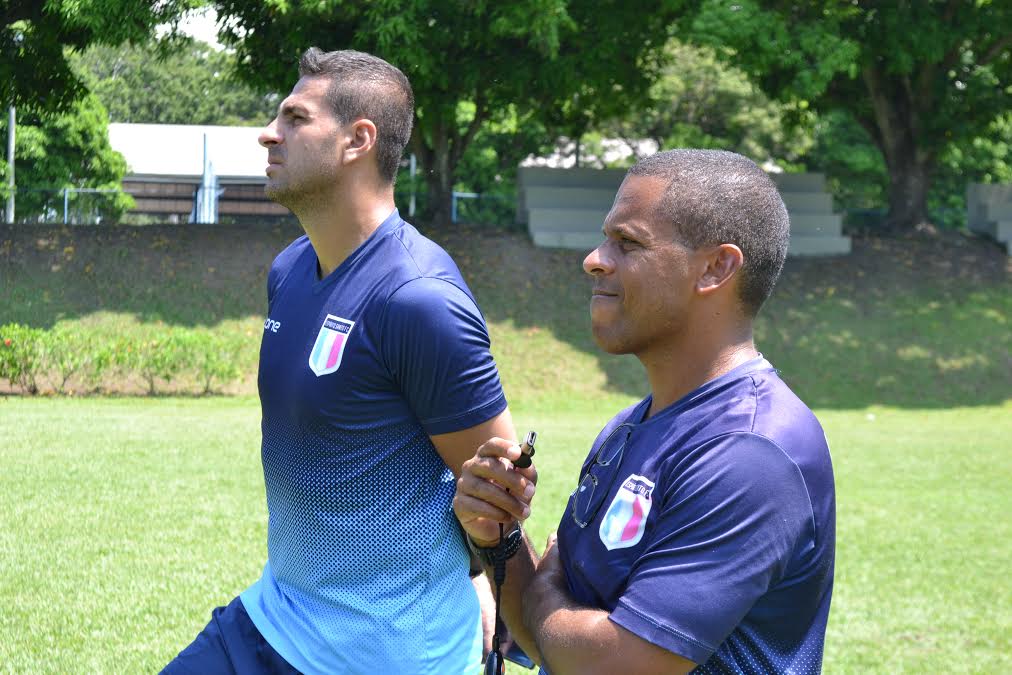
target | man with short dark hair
[
  {"x": 376, "y": 384},
  {"x": 701, "y": 530}
]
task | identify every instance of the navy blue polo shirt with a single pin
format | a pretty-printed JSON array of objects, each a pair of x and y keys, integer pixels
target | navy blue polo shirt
[
  {"x": 713, "y": 535},
  {"x": 367, "y": 569}
]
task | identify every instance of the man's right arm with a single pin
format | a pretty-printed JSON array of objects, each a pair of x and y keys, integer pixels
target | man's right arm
[
  {"x": 535, "y": 597},
  {"x": 490, "y": 492}
]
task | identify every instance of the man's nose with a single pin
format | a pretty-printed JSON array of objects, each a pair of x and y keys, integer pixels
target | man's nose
[
  {"x": 597, "y": 261},
  {"x": 270, "y": 136}
]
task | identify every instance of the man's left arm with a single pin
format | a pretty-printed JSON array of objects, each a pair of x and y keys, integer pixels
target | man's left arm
[
  {"x": 725, "y": 529},
  {"x": 577, "y": 639}
]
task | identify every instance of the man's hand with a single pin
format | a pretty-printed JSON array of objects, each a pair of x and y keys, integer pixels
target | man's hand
[{"x": 491, "y": 491}]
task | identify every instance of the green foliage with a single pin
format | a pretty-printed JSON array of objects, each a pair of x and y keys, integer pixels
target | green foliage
[
  {"x": 699, "y": 101},
  {"x": 559, "y": 62},
  {"x": 68, "y": 149},
  {"x": 920, "y": 78},
  {"x": 97, "y": 357},
  {"x": 22, "y": 351},
  {"x": 856, "y": 175},
  {"x": 185, "y": 82},
  {"x": 984, "y": 159},
  {"x": 35, "y": 36},
  {"x": 68, "y": 352},
  {"x": 217, "y": 358}
]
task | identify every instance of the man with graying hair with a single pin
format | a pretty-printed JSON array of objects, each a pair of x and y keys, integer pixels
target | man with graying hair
[
  {"x": 376, "y": 383},
  {"x": 700, "y": 534}
]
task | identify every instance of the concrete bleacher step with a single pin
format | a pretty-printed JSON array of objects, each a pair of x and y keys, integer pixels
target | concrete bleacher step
[
  {"x": 799, "y": 182},
  {"x": 807, "y": 202},
  {"x": 591, "y": 220},
  {"x": 1001, "y": 230},
  {"x": 997, "y": 212},
  {"x": 566, "y": 208},
  {"x": 583, "y": 241},
  {"x": 592, "y": 178},
  {"x": 814, "y": 224},
  {"x": 544, "y": 196},
  {"x": 807, "y": 245}
]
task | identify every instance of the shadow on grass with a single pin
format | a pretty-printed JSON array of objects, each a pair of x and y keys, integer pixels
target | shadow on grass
[{"x": 913, "y": 323}]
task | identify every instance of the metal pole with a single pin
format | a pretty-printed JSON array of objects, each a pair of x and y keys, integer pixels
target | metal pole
[
  {"x": 66, "y": 203},
  {"x": 10, "y": 166}
]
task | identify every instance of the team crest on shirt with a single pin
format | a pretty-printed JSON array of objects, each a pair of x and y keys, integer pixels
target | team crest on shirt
[
  {"x": 626, "y": 518},
  {"x": 330, "y": 343}
]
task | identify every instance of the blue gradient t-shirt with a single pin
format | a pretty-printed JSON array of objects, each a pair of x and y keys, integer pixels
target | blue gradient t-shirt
[
  {"x": 367, "y": 570},
  {"x": 713, "y": 535}
]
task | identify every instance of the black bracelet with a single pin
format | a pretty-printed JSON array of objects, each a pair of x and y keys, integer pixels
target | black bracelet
[{"x": 506, "y": 549}]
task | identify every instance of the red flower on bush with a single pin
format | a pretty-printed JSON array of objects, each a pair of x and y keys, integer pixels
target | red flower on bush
[{"x": 7, "y": 342}]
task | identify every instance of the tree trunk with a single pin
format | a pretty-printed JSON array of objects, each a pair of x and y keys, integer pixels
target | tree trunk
[
  {"x": 439, "y": 147},
  {"x": 895, "y": 126},
  {"x": 433, "y": 155},
  {"x": 909, "y": 181}
]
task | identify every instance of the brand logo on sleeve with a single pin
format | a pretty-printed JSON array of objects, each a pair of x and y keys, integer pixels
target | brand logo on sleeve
[
  {"x": 330, "y": 343},
  {"x": 626, "y": 518}
]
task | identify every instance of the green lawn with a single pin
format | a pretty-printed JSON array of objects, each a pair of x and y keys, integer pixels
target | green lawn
[{"x": 124, "y": 521}]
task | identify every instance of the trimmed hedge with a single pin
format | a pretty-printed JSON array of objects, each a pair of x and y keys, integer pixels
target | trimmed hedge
[{"x": 193, "y": 360}]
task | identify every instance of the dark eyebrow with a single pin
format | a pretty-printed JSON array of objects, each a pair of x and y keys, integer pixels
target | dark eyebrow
[
  {"x": 622, "y": 230},
  {"x": 292, "y": 109}
]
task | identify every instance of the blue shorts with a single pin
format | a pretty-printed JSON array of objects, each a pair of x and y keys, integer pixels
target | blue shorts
[{"x": 229, "y": 645}]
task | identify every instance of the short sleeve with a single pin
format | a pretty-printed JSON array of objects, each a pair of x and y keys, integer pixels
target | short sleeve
[
  {"x": 436, "y": 347},
  {"x": 728, "y": 526},
  {"x": 272, "y": 282}
]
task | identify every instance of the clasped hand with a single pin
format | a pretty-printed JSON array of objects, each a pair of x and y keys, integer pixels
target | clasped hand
[{"x": 491, "y": 491}]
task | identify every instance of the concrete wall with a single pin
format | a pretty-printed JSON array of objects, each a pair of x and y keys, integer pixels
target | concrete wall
[
  {"x": 989, "y": 211},
  {"x": 565, "y": 208}
]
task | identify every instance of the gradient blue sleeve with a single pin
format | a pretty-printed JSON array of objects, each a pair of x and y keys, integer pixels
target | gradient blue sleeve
[
  {"x": 436, "y": 347},
  {"x": 728, "y": 526}
]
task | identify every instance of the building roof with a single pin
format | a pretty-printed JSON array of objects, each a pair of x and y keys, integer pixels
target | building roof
[{"x": 177, "y": 150}]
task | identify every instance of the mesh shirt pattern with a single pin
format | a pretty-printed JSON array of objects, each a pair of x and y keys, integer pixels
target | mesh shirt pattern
[
  {"x": 349, "y": 573},
  {"x": 367, "y": 568}
]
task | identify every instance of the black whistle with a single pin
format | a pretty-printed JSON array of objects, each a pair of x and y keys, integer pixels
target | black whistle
[{"x": 526, "y": 450}]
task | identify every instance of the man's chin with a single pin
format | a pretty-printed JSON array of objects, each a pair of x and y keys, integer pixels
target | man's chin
[
  {"x": 609, "y": 342},
  {"x": 276, "y": 193}
]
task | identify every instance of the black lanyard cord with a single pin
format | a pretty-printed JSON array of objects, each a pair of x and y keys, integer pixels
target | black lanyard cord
[{"x": 494, "y": 663}]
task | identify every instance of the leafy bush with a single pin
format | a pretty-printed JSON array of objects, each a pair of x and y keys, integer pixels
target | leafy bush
[
  {"x": 66, "y": 353},
  {"x": 203, "y": 360},
  {"x": 22, "y": 356},
  {"x": 217, "y": 359}
]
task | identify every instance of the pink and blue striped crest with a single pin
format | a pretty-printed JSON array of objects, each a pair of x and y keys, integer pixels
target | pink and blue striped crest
[
  {"x": 330, "y": 343},
  {"x": 626, "y": 518}
]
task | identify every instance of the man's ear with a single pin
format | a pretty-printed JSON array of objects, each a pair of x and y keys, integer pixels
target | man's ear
[
  {"x": 721, "y": 264},
  {"x": 361, "y": 138}
]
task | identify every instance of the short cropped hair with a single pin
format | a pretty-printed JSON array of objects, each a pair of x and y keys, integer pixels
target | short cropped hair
[
  {"x": 716, "y": 197},
  {"x": 366, "y": 86}
]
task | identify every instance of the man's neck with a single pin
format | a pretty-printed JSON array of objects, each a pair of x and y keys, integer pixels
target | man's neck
[
  {"x": 341, "y": 223},
  {"x": 678, "y": 370}
]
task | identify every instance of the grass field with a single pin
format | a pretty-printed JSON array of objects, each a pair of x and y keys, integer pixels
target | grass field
[
  {"x": 123, "y": 521},
  {"x": 126, "y": 520}
]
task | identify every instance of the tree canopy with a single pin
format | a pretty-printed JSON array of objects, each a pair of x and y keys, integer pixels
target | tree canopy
[
  {"x": 36, "y": 35},
  {"x": 562, "y": 61},
  {"x": 919, "y": 77},
  {"x": 701, "y": 102},
  {"x": 68, "y": 149},
  {"x": 188, "y": 83}
]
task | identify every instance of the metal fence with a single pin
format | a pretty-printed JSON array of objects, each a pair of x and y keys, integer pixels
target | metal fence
[{"x": 77, "y": 206}]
